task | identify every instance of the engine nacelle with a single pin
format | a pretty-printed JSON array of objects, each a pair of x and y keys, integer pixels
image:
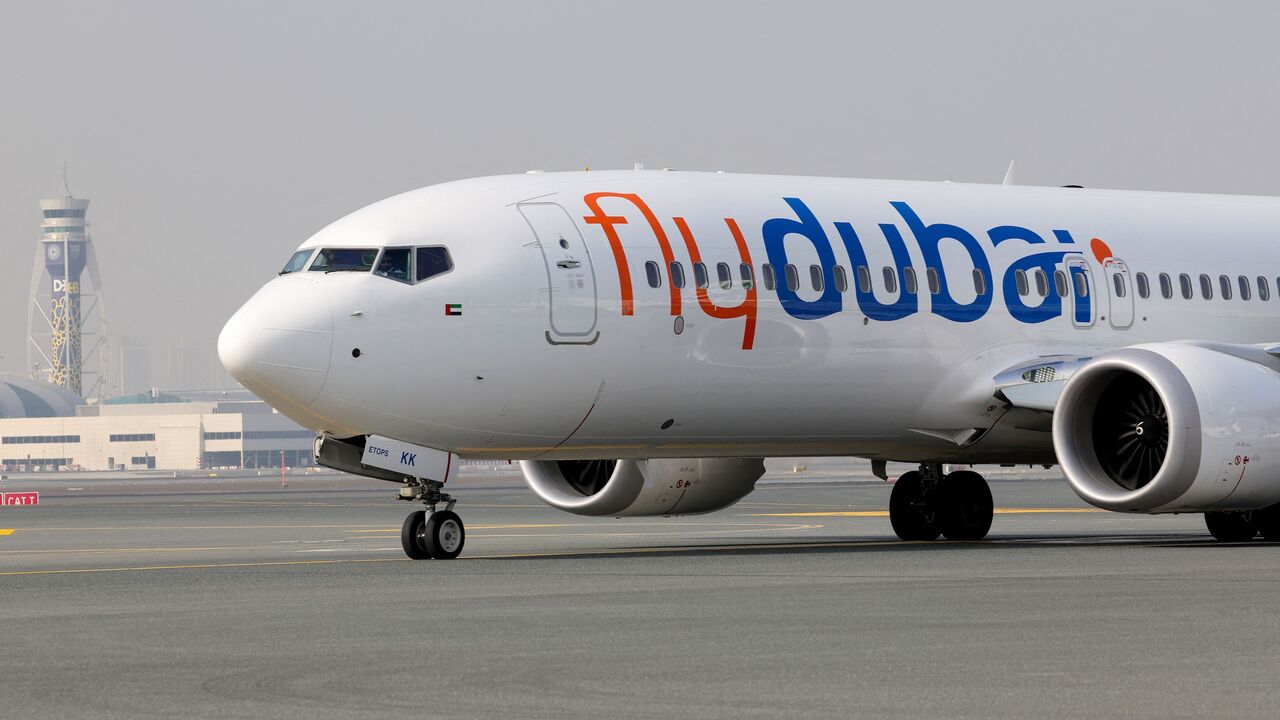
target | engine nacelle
[
  {"x": 1173, "y": 427},
  {"x": 642, "y": 487}
]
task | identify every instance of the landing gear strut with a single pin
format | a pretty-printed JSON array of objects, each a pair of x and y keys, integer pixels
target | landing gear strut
[
  {"x": 438, "y": 534},
  {"x": 925, "y": 504}
]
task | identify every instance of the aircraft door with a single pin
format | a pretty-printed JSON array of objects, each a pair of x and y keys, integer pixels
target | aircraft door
[
  {"x": 1080, "y": 291},
  {"x": 571, "y": 280},
  {"x": 1120, "y": 289}
]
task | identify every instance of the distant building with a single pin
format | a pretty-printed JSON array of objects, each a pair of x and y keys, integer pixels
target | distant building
[
  {"x": 195, "y": 365},
  {"x": 25, "y": 398},
  {"x": 155, "y": 435},
  {"x": 134, "y": 366}
]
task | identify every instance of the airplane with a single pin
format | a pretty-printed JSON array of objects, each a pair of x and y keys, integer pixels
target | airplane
[{"x": 640, "y": 340}]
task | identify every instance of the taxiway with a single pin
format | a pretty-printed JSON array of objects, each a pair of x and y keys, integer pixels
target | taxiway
[{"x": 223, "y": 597}]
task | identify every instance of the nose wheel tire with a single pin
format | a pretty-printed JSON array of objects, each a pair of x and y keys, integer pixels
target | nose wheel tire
[
  {"x": 967, "y": 506},
  {"x": 1232, "y": 526},
  {"x": 439, "y": 535},
  {"x": 913, "y": 508},
  {"x": 444, "y": 535},
  {"x": 411, "y": 534}
]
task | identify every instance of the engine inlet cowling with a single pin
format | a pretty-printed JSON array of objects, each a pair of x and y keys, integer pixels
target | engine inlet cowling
[
  {"x": 1172, "y": 427},
  {"x": 642, "y": 487}
]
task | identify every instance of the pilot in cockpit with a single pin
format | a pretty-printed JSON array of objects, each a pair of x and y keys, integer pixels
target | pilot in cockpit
[{"x": 394, "y": 264}]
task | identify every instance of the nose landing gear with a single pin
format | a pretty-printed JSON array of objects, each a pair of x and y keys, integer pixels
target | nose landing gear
[
  {"x": 437, "y": 534},
  {"x": 925, "y": 504}
]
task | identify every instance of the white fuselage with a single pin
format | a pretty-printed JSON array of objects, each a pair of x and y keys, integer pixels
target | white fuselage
[{"x": 536, "y": 348}]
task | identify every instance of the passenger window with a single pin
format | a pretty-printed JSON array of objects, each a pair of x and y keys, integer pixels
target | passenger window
[
  {"x": 815, "y": 277},
  {"x": 677, "y": 275},
  {"x": 1184, "y": 280},
  {"x": 864, "y": 279},
  {"x": 1206, "y": 287},
  {"x": 345, "y": 260},
  {"x": 432, "y": 261},
  {"x": 770, "y": 277},
  {"x": 1042, "y": 282},
  {"x": 909, "y": 280},
  {"x": 297, "y": 261},
  {"x": 1224, "y": 283},
  {"x": 842, "y": 279},
  {"x": 1144, "y": 290},
  {"x": 935, "y": 285},
  {"x": 979, "y": 282},
  {"x": 394, "y": 264},
  {"x": 1166, "y": 286},
  {"x": 890, "y": 280},
  {"x": 726, "y": 278},
  {"x": 1264, "y": 290},
  {"x": 1060, "y": 283},
  {"x": 792, "y": 276},
  {"x": 1244, "y": 287},
  {"x": 1117, "y": 281},
  {"x": 748, "y": 276},
  {"x": 653, "y": 273},
  {"x": 1082, "y": 285},
  {"x": 1020, "y": 278},
  {"x": 700, "y": 275}
]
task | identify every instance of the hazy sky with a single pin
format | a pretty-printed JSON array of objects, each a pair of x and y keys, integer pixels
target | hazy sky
[{"x": 213, "y": 137}]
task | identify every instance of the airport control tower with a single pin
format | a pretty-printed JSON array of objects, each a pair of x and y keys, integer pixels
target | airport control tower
[{"x": 66, "y": 326}]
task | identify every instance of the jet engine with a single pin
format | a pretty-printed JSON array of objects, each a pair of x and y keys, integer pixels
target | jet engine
[
  {"x": 623, "y": 488},
  {"x": 1173, "y": 427}
]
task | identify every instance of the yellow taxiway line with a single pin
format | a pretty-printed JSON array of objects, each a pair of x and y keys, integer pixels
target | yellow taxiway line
[
  {"x": 6, "y": 531},
  {"x": 885, "y": 513}
]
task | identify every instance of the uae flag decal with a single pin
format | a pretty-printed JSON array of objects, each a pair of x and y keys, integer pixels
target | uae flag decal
[{"x": 453, "y": 309}]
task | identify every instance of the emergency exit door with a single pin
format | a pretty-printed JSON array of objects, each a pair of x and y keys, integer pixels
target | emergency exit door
[
  {"x": 571, "y": 280},
  {"x": 1121, "y": 290},
  {"x": 1080, "y": 292}
]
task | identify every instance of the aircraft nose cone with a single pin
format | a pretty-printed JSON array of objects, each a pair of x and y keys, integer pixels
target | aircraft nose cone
[{"x": 278, "y": 344}]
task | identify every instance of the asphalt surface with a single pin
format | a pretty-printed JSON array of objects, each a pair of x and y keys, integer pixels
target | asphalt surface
[{"x": 237, "y": 598}]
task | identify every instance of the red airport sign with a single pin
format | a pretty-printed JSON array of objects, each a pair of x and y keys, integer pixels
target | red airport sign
[{"x": 19, "y": 498}]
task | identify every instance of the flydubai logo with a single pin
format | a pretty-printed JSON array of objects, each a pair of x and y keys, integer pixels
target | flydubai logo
[{"x": 965, "y": 296}]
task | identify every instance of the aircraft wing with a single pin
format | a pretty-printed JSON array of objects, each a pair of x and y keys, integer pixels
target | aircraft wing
[{"x": 1036, "y": 384}]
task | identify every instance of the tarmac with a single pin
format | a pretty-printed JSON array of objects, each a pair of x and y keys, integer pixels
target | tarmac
[{"x": 234, "y": 597}]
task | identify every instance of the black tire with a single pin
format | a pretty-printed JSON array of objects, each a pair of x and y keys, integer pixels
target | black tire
[
  {"x": 1268, "y": 522},
  {"x": 912, "y": 513},
  {"x": 411, "y": 534},
  {"x": 966, "y": 506},
  {"x": 1232, "y": 526},
  {"x": 444, "y": 535}
]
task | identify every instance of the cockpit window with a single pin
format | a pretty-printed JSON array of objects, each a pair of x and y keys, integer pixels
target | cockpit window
[
  {"x": 433, "y": 261},
  {"x": 345, "y": 260},
  {"x": 297, "y": 261},
  {"x": 394, "y": 264}
]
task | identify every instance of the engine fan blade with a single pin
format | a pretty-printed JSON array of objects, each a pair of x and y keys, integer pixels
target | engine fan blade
[{"x": 1131, "y": 432}]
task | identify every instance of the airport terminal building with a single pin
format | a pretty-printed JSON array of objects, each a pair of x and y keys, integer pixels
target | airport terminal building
[{"x": 142, "y": 436}]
